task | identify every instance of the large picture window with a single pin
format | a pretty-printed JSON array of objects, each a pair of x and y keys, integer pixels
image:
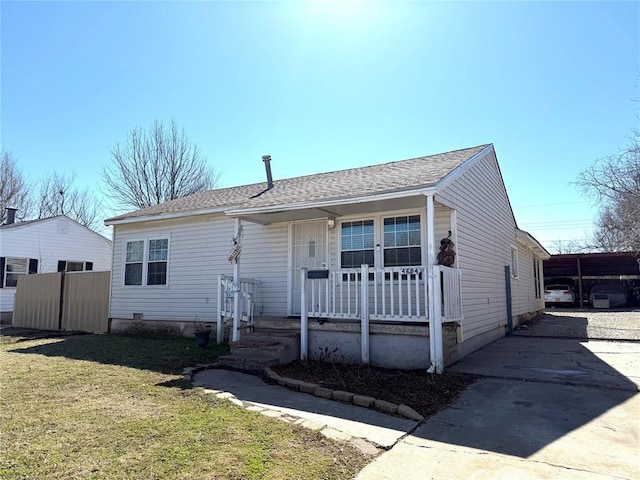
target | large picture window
[
  {"x": 381, "y": 241},
  {"x": 357, "y": 244},
  {"x": 402, "y": 246},
  {"x": 146, "y": 262}
]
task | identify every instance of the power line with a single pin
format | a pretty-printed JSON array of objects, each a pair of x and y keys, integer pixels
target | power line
[{"x": 550, "y": 204}]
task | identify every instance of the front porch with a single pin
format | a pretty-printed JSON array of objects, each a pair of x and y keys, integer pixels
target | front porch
[{"x": 383, "y": 320}]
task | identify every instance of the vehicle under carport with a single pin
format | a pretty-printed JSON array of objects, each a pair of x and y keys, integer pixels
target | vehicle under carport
[{"x": 588, "y": 269}]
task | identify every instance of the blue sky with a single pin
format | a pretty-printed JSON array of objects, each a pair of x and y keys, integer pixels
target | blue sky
[{"x": 324, "y": 86}]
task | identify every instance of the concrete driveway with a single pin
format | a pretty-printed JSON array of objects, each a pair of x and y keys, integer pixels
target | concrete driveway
[
  {"x": 620, "y": 324},
  {"x": 544, "y": 408}
]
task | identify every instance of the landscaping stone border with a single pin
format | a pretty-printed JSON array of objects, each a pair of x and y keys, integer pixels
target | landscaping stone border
[
  {"x": 345, "y": 397},
  {"x": 323, "y": 392}
]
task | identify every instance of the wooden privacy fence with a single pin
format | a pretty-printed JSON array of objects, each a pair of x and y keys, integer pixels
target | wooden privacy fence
[{"x": 63, "y": 301}]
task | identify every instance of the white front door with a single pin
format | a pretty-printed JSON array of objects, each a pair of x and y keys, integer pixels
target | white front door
[{"x": 309, "y": 248}]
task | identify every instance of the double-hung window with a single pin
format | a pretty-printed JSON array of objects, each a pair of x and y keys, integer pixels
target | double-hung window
[
  {"x": 15, "y": 267},
  {"x": 402, "y": 241},
  {"x": 146, "y": 262},
  {"x": 357, "y": 244},
  {"x": 157, "y": 261}
]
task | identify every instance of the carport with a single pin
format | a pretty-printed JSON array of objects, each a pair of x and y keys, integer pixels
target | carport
[{"x": 588, "y": 269}]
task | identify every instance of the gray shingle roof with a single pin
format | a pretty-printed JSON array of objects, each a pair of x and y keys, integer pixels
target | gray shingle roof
[{"x": 355, "y": 182}]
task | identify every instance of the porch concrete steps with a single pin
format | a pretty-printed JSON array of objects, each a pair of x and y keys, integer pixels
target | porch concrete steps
[
  {"x": 246, "y": 362},
  {"x": 265, "y": 346}
]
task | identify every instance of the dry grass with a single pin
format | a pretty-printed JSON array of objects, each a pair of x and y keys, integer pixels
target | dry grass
[{"x": 105, "y": 406}]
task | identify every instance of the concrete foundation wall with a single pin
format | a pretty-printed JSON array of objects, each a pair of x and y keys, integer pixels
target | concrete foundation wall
[
  {"x": 407, "y": 351},
  {"x": 156, "y": 327},
  {"x": 475, "y": 343}
]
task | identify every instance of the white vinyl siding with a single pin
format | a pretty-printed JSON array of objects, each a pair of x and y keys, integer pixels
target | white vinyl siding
[
  {"x": 199, "y": 248},
  {"x": 485, "y": 232},
  {"x": 523, "y": 291}
]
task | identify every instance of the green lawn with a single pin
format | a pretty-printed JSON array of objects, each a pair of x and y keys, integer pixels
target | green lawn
[{"x": 116, "y": 407}]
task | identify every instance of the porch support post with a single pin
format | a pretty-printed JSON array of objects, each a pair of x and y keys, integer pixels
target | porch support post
[
  {"x": 304, "y": 316},
  {"x": 435, "y": 311},
  {"x": 364, "y": 312},
  {"x": 237, "y": 313},
  {"x": 220, "y": 323}
]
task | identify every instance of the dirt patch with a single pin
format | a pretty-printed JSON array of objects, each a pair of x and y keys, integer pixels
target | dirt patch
[{"x": 424, "y": 392}]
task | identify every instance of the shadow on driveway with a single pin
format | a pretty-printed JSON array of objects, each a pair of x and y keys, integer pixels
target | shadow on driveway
[{"x": 540, "y": 390}]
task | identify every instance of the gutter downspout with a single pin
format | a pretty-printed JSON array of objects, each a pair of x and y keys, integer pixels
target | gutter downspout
[
  {"x": 435, "y": 315},
  {"x": 507, "y": 283}
]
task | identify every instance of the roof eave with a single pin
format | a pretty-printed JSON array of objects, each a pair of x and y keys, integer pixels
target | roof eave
[
  {"x": 164, "y": 216},
  {"x": 425, "y": 190},
  {"x": 458, "y": 171},
  {"x": 527, "y": 239}
]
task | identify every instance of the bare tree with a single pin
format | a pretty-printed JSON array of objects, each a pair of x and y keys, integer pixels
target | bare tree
[
  {"x": 156, "y": 166},
  {"x": 614, "y": 182},
  {"x": 14, "y": 188},
  {"x": 561, "y": 247},
  {"x": 57, "y": 196}
]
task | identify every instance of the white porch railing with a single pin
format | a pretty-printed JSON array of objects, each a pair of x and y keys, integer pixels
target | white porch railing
[
  {"x": 449, "y": 280},
  {"x": 247, "y": 290},
  {"x": 387, "y": 294},
  {"x": 394, "y": 294}
]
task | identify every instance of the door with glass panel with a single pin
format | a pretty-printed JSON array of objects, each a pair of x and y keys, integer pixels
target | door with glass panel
[{"x": 308, "y": 249}]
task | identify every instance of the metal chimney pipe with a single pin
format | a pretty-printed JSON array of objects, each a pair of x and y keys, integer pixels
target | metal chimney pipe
[
  {"x": 267, "y": 165},
  {"x": 11, "y": 215}
]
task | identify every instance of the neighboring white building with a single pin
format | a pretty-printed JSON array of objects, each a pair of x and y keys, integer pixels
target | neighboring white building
[
  {"x": 167, "y": 259},
  {"x": 46, "y": 245}
]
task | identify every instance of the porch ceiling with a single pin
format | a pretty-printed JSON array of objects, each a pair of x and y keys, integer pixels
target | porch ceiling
[{"x": 335, "y": 210}]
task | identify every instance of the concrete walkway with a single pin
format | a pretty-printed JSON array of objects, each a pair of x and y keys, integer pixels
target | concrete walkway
[
  {"x": 336, "y": 420},
  {"x": 544, "y": 408}
]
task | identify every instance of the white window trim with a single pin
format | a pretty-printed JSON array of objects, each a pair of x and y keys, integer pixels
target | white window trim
[
  {"x": 145, "y": 259},
  {"x": 6, "y": 271},
  {"x": 514, "y": 262},
  {"x": 378, "y": 233},
  {"x": 67, "y": 262}
]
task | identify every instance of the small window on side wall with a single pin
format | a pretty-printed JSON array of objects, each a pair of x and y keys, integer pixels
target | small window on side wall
[
  {"x": 74, "y": 266},
  {"x": 514, "y": 262}
]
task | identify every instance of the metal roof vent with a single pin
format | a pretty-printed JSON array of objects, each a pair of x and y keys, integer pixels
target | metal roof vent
[{"x": 267, "y": 165}]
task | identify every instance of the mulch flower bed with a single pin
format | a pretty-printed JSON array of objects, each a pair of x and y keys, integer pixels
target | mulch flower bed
[{"x": 426, "y": 393}]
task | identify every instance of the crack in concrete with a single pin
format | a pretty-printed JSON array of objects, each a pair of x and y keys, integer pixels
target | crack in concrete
[{"x": 475, "y": 452}]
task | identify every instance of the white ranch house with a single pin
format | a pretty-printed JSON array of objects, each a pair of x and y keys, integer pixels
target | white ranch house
[
  {"x": 347, "y": 258},
  {"x": 46, "y": 245}
]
